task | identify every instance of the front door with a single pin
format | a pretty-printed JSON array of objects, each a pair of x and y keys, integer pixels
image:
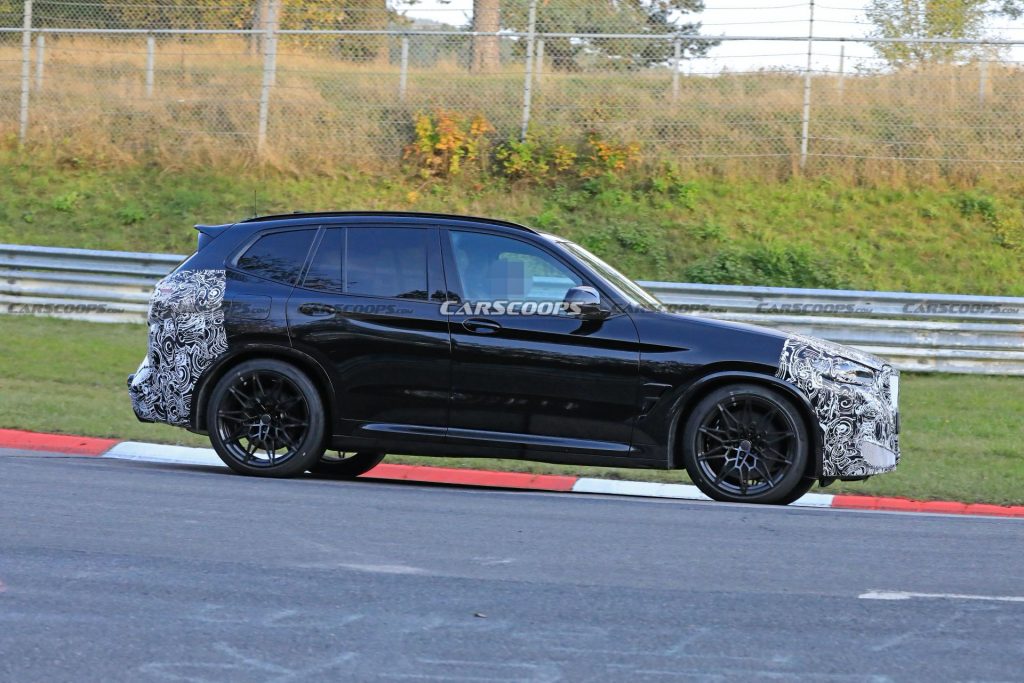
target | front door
[
  {"x": 366, "y": 309},
  {"x": 524, "y": 379}
]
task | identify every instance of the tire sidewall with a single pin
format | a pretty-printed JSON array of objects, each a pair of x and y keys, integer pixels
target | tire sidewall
[
  {"x": 313, "y": 443},
  {"x": 795, "y": 477}
]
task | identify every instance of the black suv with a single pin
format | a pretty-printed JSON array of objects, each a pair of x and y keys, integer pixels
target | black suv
[{"x": 373, "y": 333}]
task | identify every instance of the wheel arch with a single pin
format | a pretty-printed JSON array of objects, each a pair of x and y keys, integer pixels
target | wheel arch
[
  {"x": 255, "y": 351},
  {"x": 704, "y": 385}
]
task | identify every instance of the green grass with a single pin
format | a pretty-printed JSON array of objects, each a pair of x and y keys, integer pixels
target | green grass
[
  {"x": 668, "y": 227},
  {"x": 961, "y": 434}
]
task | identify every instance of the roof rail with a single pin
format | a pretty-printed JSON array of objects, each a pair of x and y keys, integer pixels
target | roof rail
[{"x": 400, "y": 214}]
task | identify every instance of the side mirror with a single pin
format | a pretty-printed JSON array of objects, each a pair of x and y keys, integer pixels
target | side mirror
[{"x": 585, "y": 303}]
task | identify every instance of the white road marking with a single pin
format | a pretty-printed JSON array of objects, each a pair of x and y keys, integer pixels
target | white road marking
[{"x": 905, "y": 595}]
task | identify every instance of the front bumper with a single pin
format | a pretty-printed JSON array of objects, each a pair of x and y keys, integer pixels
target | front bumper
[{"x": 859, "y": 422}]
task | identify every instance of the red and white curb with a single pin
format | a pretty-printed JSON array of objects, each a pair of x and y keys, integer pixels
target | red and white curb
[{"x": 206, "y": 457}]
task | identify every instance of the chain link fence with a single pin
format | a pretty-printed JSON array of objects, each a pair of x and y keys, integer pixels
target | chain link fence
[{"x": 328, "y": 85}]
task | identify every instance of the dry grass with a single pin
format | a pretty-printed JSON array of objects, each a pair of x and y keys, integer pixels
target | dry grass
[{"x": 328, "y": 114}]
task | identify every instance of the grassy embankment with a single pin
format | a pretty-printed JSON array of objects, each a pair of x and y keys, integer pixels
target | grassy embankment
[{"x": 810, "y": 233}]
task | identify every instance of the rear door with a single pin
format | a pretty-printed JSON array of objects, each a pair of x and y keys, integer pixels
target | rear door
[{"x": 368, "y": 307}]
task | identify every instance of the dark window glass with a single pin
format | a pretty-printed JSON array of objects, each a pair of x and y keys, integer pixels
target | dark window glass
[
  {"x": 278, "y": 256},
  {"x": 495, "y": 268},
  {"x": 389, "y": 262},
  {"x": 325, "y": 269}
]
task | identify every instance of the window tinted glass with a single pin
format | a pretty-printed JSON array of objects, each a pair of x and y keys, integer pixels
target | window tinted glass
[
  {"x": 495, "y": 268},
  {"x": 325, "y": 269},
  {"x": 390, "y": 262},
  {"x": 278, "y": 256}
]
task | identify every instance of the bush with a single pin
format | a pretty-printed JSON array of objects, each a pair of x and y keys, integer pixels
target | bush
[{"x": 769, "y": 265}]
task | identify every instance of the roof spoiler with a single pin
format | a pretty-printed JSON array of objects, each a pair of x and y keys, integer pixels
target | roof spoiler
[{"x": 208, "y": 233}]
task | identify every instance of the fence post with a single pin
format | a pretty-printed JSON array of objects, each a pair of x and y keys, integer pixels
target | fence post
[
  {"x": 982, "y": 80},
  {"x": 40, "y": 60},
  {"x": 150, "y": 64},
  {"x": 677, "y": 58},
  {"x": 528, "y": 82},
  {"x": 269, "y": 70},
  {"x": 403, "y": 78},
  {"x": 539, "y": 62},
  {"x": 805, "y": 122},
  {"x": 842, "y": 69},
  {"x": 26, "y": 71}
]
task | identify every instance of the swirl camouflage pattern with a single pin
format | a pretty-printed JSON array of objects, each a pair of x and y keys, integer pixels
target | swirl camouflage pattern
[
  {"x": 186, "y": 335},
  {"x": 858, "y": 421}
]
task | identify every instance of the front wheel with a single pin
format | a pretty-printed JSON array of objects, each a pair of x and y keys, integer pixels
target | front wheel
[
  {"x": 266, "y": 418},
  {"x": 745, "y": 443}
]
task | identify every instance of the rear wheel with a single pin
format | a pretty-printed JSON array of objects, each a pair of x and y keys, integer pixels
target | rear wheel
[
  {"x": 745, "y": 443},
  {"x": 347, "y": 465},
  {"x": 266, "y": 418}
]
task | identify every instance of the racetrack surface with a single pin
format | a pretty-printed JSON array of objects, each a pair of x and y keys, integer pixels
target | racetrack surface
[{"x": 121, "y": 571}]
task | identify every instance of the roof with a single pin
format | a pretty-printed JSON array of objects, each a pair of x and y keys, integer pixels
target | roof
[{"x": 386, "y": 214}]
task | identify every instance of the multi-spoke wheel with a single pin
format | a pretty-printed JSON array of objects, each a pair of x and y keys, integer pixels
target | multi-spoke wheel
[
  {"x": 266, "y": 418},
  {"x": 347, "y": 465},
  {"x": 747, "y": 443}
]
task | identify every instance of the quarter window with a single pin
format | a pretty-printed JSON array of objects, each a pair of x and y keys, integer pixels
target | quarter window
[
  {"x": 278, "y": 256},
  {"x": 387, "y": 262}
]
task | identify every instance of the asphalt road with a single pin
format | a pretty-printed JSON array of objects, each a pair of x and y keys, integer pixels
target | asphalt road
[{"x": 121, "y": 571}]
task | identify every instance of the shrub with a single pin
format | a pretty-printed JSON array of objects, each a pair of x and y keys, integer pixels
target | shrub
[{"x": 446, "y": 141}]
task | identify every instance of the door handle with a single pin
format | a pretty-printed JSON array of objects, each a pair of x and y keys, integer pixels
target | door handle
[
  {"x": 481, "y": 326},
  {"x": 317, "y": 309}
]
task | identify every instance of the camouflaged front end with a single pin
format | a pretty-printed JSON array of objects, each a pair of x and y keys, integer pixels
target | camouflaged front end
[{"x": 859, "y": 421}]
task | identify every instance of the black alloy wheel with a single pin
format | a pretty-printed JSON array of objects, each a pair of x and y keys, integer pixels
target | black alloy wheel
[
  {"x": 747, "y": 443},
  {"x": 266, "y": 418}
]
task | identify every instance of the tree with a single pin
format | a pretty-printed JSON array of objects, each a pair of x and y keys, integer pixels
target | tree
[
  {"x": 653, "y": 17},
  {"x": 924, "y": 19},
  {"x": 486, "y": 49}
]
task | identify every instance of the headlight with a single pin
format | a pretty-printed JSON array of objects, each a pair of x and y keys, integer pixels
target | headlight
[{"x": 850, "y": 372}]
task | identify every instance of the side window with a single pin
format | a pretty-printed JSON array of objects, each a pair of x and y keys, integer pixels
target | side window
[
  {"x": 496, "y": 268},
  {"x": 388, "y": 262},
  {"x": 278, "y": 256},
  {"x": 325, "y": 269}
]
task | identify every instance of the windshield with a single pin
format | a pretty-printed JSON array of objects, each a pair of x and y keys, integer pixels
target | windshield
[{"x": 633, "y": 292}]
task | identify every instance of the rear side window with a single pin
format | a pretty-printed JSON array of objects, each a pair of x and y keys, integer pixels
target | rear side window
[
  {"x": 387, "y": 262},
  {"x": 325, "y": 268},
  {"x": 278, "y": 256}
]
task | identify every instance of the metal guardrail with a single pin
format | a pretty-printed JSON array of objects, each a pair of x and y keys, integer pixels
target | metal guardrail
[{"x": 921, "y": 332}]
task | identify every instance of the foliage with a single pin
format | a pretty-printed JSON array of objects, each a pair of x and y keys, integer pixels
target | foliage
[
  {"x": 659, "y": 223},
  {"x": 933, "y": 19},
  {"x": 538, "y": 161},
  {"x": 610, "y": 16},
  {"x": 772, "y": 264},
  {"x": 446, "y": 141}
]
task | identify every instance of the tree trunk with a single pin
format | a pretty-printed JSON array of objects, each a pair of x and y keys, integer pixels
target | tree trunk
[{"x": 486, "y": 49}]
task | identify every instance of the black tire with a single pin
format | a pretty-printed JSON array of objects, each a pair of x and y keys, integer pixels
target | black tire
[
  {"x": 266, "y": 419},
  {"x": 745, "y": 443},
  {"x": 347, "y": 465}
]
